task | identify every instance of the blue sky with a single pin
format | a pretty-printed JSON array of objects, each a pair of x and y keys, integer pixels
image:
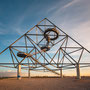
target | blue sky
[{"x": 18, "y": 16}]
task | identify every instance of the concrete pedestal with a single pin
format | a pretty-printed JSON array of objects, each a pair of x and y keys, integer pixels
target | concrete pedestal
[
  {"x": 29, "y": 73},
  {"x": 19, "y": 72},
  {"x": 61, "y": 75},
  {"x": 78, "y": 71}
]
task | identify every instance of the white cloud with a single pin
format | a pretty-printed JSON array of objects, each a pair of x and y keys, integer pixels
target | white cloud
[
  {"x": 59, "y": 10},
  {"x": 74, "y": 20},
  {"x": 3, "y": 32},
  {"x": 82, "y": 33},
  {"x": 19, "y": 31},
  {"x": 70, "y": 4},
  {"x": 51, "y": 9}
]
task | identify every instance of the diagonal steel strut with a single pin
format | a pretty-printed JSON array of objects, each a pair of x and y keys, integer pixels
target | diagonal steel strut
[{"x": 44, "y": 65}]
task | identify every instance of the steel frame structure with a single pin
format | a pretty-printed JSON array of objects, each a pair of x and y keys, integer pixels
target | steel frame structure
[{"x": 42, "y": 60}]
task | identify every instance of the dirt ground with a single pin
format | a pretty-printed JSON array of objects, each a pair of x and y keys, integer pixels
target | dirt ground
[{"x": 67, "y": 83}]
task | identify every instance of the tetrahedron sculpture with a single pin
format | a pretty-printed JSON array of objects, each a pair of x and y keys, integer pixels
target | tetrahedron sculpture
[{"x": 45, "y": 46}]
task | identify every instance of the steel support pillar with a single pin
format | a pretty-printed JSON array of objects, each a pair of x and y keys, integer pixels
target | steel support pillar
[
  {"x": 61, "y": 75},
  {"x": 19, "y": 72},
  {"x": 29, "y": 73},
  {"x": 78, "y": 71}
]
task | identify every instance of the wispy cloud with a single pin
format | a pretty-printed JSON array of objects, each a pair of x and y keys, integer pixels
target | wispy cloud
[
  {"x": 18, "y": 30},
  {"x": 82, "y": 33},
  {"x": 70, "y": 4},
  {"x": 1, "y": 24},
  {"x": 3, "y": 31},
  {"x": 60, "y": 9},
  {"x": 74, "y": 19}
]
